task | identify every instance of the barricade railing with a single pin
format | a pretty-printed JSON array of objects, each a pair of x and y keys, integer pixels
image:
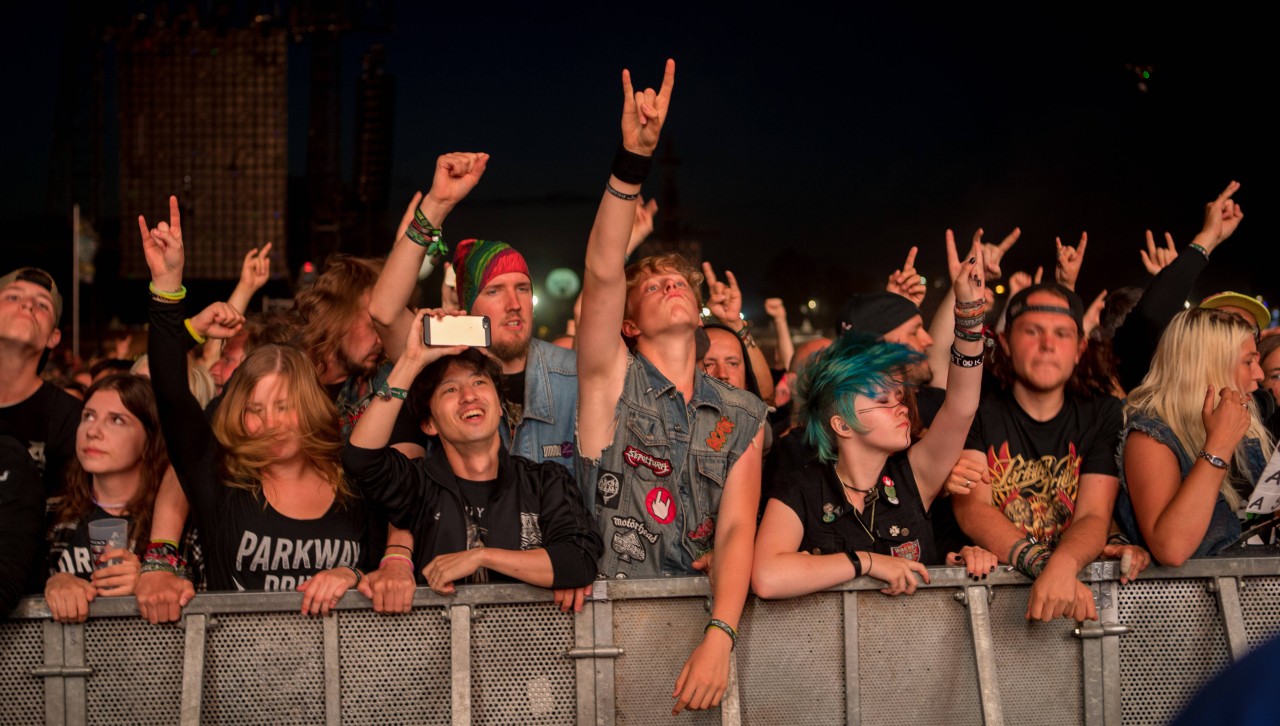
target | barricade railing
[{"x": 958, "y": 651}]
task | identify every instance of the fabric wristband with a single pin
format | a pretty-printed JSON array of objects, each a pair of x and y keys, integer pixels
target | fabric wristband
[
  {"x": 728, "y": 629},
  {"x": 630, "y": 167}
]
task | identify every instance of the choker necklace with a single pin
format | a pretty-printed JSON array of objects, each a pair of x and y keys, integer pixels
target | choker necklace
[
  {"x": 849, "y": 486},
  {"x": 107, "y": 505}
]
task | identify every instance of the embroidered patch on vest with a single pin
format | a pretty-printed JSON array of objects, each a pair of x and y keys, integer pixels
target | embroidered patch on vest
[
  {"x": 660, "y": 505},
  {"x": 636, "y": 526},
  {"x": 607, "y": 487},
  {"x": 704, "y": 531},
  {"x": 717, "y": 439},
  {"x": 907, "y": 550},
  {"x": 637, "y": 458},
  {"x": 628, "y": 547},
  {"x": 563, "y": 450}
]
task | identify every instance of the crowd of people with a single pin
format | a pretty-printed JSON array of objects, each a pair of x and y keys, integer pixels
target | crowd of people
[{"x": 345, "y": 446}]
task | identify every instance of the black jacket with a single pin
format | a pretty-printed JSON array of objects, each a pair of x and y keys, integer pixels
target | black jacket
[{"x": 423, "y": 497}]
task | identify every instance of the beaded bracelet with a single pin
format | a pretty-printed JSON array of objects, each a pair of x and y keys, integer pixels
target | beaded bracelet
[{"x": 728, "y": 629}]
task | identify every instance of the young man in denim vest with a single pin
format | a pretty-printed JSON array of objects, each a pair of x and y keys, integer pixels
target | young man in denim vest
[{"x": 671, "y": 455}]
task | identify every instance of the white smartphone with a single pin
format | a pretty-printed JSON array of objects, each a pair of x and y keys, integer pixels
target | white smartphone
[{"x": 470, "y": 330}]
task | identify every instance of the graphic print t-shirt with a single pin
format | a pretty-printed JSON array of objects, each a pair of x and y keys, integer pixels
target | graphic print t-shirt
[
  {"x": 476, "y": 495},
  {"x": 1035, "y": 466}
]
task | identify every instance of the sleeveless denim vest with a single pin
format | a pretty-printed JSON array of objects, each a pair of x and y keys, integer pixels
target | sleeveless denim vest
[
  {"x": 655, "y": 490},
  {"x": 1224, "y": 525}
]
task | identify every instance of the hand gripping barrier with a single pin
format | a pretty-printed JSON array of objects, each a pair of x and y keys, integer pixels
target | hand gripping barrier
[{"x": 956, "y": 652}]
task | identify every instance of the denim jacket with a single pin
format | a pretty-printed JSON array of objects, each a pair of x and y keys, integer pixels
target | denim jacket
[
  {"x": 1224, "y": 525},
  {"x": 656, "y": 488},
  {"x": 545, "y": 431}
]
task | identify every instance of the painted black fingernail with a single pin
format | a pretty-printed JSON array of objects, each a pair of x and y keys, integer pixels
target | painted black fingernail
[{"x": 971, "y": 260}]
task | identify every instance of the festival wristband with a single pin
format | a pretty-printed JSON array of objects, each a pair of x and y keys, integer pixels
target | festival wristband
[{"x": 728, "y": 630}]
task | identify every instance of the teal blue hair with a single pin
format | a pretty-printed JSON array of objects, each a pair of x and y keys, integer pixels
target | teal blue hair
[{"x": 854, "y": 365}]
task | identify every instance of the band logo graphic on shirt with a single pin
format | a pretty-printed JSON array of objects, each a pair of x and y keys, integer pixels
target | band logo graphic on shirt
[
  {"x": 607, "y": 487},
  {"x": 636, "y": 526},
  {"x": 716, "y": 440},
  {"x": 660, "y": 505},
  {"x": 628, "y": 547},
  {"x": 267, "y": 553},
  {"x": 530, "y": 532},
  {"x": 907, "y": 550},
  {"x": 1037, "y": 495},
  {"x": 637, "y": 458}
]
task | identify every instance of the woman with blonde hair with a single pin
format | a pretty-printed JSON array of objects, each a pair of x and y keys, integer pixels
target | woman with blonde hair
[
  {"x": 264, "y": 480},
  {"x": 1193, "y": 445}
]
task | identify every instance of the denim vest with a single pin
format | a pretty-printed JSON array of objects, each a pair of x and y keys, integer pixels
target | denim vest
[
  {"x": 545, "y": 431},
  {"x": 656, "y": 488},
  {"x": 1224, "y": 525}
]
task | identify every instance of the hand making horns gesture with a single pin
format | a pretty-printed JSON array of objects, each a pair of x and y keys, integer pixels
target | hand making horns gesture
[{"x": 644, "y": 112}]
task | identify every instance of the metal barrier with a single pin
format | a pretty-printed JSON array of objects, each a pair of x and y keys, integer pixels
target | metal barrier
[{"x": 955, "y": 652}]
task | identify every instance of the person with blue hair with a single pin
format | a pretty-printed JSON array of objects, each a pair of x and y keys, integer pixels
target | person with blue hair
[{"x": 862, "y": 507}]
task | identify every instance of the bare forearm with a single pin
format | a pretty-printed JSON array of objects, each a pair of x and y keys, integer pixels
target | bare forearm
[
  {"x": 941, "y": 329},
  {"x": 374, "y": 428},
  {"x": 1082, "y": 542},
  {"x": 1180, "y": 528},
  {"x": 792, "y": 574},
  {"x": 531, "y": 566},
  {"x": 785, "y": 348},
  {"x": 734, "y": 551},
  {"x": 169, "y": 513},
  {"x": 986, "y": 526}
]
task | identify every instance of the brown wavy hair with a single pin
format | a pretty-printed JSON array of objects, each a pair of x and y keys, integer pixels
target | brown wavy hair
[
  {"x": 327, "y": 308},
  {"x": 248, "y": 454},
  {"x": 139, "y": 400}
]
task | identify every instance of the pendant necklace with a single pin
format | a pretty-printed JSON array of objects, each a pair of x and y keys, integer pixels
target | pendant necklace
[{"x": 871, "y": 498}]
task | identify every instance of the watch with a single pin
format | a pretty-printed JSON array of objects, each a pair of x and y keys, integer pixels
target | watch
[{"x": 1216, "y": 461}]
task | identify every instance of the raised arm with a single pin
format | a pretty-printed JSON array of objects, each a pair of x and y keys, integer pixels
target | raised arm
[
  {"x": 1174, "y": 513},
  {"x": 456, "y": 174},
  {"x": 601, "y": 352},
  {"x": 785, "y": 348},
  {"x": 932, "y": 457},
  {"x": 725, "y": 303},
  {"x": 1070, "y": 259},
  {"x": 254, "y": 273}
]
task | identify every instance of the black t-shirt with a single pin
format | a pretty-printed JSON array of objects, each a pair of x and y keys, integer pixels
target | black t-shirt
[
  {"x": 513, "y": 398},
  {"x": 46, "y": 422},
  {"x": 832, "y": 525},
  {"x": 22, "y": 543},
  {"x": 476, "y": 496},
  {"x": 247, "y": 544},
  {"x": 1036, "y": 465},
  {"x": 69, "y": 544}
]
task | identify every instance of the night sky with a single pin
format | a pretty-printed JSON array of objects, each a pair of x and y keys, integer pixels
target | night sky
[{"x": 815, "y": 149}]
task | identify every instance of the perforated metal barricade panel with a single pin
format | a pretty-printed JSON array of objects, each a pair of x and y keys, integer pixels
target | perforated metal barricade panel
[
  {"x": 137, "y": 671},
  {"x": 915, "y": 660},
  {"x": 1260, "y": 601},
  {"x": 657, "y": 637},
  {"x": 791, "y": 661},
  {"x": 519, "y": 671},
  {"x": 395, "y": 668},
  {"x": 21, "y": 694},
  {"x": 1039, "y": 664},
  {"x": 264, "y": 668},
  {"x": 1176, "y": 644}
]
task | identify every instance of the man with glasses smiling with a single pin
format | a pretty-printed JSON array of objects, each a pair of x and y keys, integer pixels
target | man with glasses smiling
[{"x": 39, "y": 414}]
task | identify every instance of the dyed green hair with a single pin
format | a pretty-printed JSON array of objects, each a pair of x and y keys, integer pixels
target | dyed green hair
[{"x": 854, "y": 365}]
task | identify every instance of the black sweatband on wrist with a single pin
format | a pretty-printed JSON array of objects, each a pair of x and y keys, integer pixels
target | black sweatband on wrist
[
  {"x": 965, "y": 361},
  {"x": 856, "y": 560},
  {"x": 631, "y": 167}
]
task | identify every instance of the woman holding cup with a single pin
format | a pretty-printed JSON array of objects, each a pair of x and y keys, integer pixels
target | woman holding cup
[{"x": 111, "y": 485}]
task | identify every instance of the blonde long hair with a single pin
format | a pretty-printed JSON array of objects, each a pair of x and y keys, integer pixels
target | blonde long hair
[
  {"x": 1200, "y": 347},
  {"x": 249, "y": 454}
]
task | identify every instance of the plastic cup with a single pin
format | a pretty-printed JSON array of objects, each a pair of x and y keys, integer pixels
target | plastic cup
[{"x": 107, "y": 534}]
